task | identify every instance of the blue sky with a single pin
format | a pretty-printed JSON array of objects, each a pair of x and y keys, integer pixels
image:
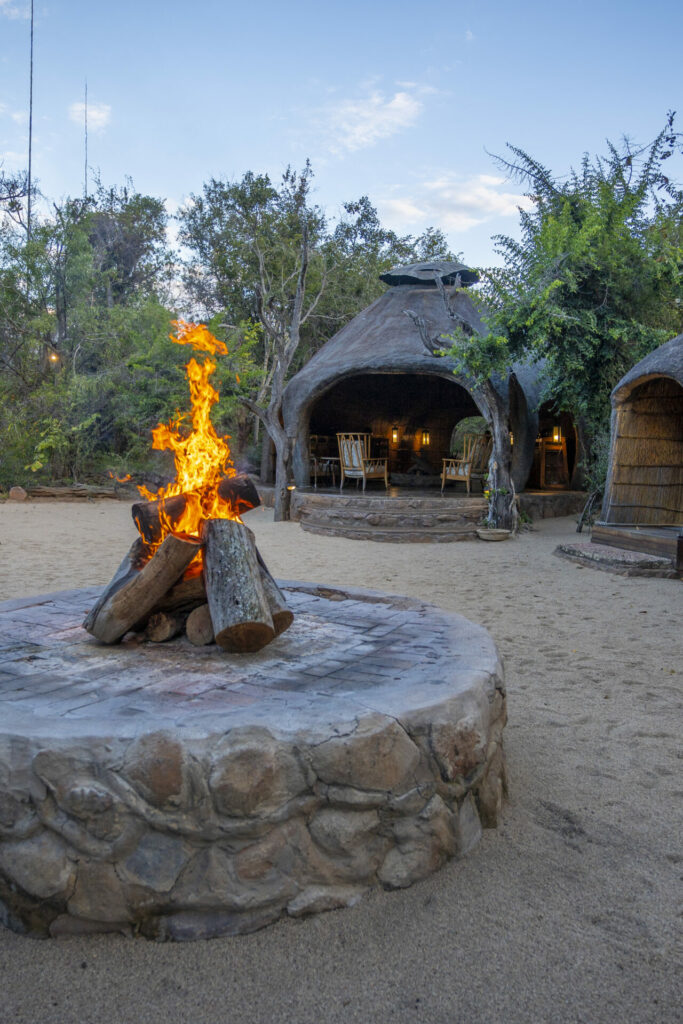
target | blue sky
[{"x": 399, "y": 101}]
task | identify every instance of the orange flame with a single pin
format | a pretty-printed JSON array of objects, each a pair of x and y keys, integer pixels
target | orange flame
[{"x": 202, "y": 458}]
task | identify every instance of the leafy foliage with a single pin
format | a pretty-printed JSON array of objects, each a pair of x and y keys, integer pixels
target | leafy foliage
[
  {"x": 86, "y": 368},
  {"x": 468, "y": 425},
  {"x": 595, "y": 282},
  {"x": 244, "y": 239}
]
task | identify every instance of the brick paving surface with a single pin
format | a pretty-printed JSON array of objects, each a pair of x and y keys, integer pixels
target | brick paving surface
[{"x": 342, "y": 646}]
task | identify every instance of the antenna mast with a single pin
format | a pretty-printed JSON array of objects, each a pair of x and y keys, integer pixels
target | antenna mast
[
  {"x": 30, "y": 132},
  {"x": 85, "y": 169}
]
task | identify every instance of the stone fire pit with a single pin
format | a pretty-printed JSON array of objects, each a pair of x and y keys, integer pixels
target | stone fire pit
[{"x": 180, "y": 793}]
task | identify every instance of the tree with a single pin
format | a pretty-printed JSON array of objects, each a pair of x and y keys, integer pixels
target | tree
[
  {"x": 13, "y": 188},
  {"x": 80, "y": 307},
  {"x": 257, "y": 255},
  {"x": 264, "y": 258},
  {"x": 591, "y": 287}
]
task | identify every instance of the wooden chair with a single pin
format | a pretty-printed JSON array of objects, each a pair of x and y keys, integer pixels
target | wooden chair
[
  {"x": 462, "y": 468},
  {"x": 355, "y": 461}
]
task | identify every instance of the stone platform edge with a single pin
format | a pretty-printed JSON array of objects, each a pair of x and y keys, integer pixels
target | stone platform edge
[
  {"x": 620, "y": 561},
  {"x": 174, "y": 838}
]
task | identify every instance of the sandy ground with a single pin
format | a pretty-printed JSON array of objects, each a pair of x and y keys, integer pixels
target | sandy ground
[{"x": 565, "y": 913}]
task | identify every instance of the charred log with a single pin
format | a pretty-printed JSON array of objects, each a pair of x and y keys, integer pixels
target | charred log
[
  {"x": 238, "y": 491},
  {"x": 184, "y": 596}
]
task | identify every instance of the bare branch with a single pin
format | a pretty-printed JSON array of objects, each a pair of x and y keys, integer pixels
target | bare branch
[
  {"x": 254, "y": 407},
  {"x": 432, "y": 343}
]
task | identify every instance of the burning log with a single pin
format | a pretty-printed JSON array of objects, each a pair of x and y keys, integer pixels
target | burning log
[
  {"x": 228, "y": 592},
  {"x": 238, "y": 491},
  {"x": 134, "y": 591},
  {"x": 239, "y": 608},
  {"x": 281, "y": 615},
  {"x": 199, "y": 627}
]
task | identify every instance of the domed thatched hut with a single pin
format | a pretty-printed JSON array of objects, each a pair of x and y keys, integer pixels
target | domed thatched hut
[
  {"x": 376, "y": 375},
  {"x": 643, "y": 503}
]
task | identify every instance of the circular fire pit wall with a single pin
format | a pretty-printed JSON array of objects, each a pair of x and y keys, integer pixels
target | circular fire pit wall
[{"x": 183, "y": 793}]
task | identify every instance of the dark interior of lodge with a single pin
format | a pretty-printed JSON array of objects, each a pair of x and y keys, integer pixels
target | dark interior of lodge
[{"x": 411, "y": 419}]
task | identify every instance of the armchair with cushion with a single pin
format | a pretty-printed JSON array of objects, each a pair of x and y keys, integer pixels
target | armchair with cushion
[
  {"x": 355, "y": 461},
  {"x": 471, "y": 465}
]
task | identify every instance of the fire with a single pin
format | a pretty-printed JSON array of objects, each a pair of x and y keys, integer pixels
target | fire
[{"x": 202, "y": 458}]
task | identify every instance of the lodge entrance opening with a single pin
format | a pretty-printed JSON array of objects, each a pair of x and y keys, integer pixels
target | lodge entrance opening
[{"x": 409, "y": 416}]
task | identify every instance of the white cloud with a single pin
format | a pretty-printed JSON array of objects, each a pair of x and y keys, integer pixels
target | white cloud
[
  {"x": 469, "y": 36},
  {"x": 18, "y": 116},
  {"x": 357, "y": 124},
  {"x": 12, "y": 157},
  {"x": 10, "y": 9},
  {"x": 452, "y": 203},
  {"x": 479, "y": 196},
  {"x": 99, "y": 115},
  {"x": 404, "y": 211}
]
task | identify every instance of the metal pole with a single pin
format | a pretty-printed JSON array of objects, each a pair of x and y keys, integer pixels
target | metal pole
[
  {"x": 85, "y": 170},
  {"x": 30, "y": 132}
]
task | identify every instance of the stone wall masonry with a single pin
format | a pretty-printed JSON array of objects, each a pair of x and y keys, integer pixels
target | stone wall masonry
[
  {"x": 181, "y": 793},
  {"x": 427, "y": 517}
]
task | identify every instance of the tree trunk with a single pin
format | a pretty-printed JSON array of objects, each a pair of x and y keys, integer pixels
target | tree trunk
[
  {"x": 266, "y": 458},
  {"x": 283, "y": 479},
  {"x": 502, "y": 511},
  {"x": 584, "y": 452}
]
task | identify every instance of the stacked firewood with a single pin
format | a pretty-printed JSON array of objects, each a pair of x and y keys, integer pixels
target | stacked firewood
[{"x": 233, "y": 601}]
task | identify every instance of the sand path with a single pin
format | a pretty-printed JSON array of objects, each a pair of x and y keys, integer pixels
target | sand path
[{"x": 565, "y": 913}]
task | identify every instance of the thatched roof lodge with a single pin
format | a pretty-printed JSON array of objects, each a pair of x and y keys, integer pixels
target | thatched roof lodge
[
  {"x": 376, "y": 375},
  {"x": 644, "y": 489}
]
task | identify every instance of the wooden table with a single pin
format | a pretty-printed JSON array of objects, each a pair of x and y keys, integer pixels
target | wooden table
[{"x": 324, "y": 465}]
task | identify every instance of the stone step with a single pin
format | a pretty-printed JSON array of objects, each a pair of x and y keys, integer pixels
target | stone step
[
  {"x": 366, "y": 503},
  {"x": 397, "y": 535},
  {"x": 393, "y": 518},
  {"x": 378, "y": 517}
]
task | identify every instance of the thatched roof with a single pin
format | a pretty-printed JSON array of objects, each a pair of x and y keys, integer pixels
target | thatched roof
[
  {"x": 381, "y": 339},
  {"x": 665, "y": 361},
  {"x": 385, "y": 339}
]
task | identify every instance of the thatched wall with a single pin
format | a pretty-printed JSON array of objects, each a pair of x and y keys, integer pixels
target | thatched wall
[{"x": 645, "y": 476}]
